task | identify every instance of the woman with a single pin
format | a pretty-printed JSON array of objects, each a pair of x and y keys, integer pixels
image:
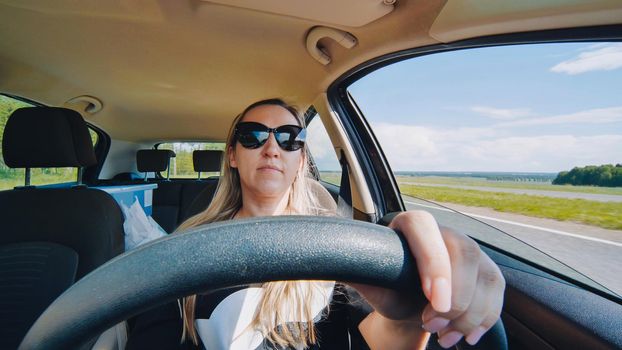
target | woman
[{"x": 266, "y": 173}]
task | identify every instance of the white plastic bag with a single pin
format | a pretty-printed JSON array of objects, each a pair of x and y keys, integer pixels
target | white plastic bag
[{"x": 139, "y": 228}]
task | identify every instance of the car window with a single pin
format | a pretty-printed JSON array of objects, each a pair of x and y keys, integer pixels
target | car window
[
  {"x": 10, "y": 178},
  {"x": 322, "y": 151},
  {"x": 181, "y": 166},
  {"x": 524, "y": 138}
]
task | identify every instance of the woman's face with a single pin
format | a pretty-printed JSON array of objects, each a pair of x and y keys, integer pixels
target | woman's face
[{"x": 267, "y": 171}]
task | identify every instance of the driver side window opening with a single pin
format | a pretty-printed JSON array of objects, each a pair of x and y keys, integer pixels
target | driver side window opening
[{"x": 525, "y": 138}]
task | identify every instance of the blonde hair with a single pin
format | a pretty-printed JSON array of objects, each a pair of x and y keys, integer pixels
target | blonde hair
[{"x": 280, "y": 296}]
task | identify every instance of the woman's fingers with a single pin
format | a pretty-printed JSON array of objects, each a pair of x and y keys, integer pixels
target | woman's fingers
[
  {"x": 482, "y": 311},
  {"x": 464, "y": 256},
  {"x": 487, "y": 303},
  {"x": 464, "y": 287},
  {"x": 426, "y": 243}
]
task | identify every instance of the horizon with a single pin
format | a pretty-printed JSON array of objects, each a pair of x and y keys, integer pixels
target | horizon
[{"x": 402, "y": 172}]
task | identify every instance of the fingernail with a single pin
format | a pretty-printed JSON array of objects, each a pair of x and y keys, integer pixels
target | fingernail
[
  {"x": 441, "y": 300},
  {"x": 475, "y": 336},
  {"x": 436, "y": 324},
  {"x": 450, "y": 339}
]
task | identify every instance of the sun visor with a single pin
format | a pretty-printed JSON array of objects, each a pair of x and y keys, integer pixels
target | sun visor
[
  {"x": 352, "y": 13},
  {"x": 469, "y": 19}
]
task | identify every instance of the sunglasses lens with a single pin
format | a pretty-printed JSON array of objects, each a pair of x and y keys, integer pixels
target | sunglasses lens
[
  {"x": 253, "y": 139},
  {"x": 290, "y": 137},
  {"x": 254, "y": 135}
]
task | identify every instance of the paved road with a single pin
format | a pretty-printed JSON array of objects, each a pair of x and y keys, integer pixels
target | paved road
[
  {"x": 592, "y": 251},
  {"x": 557, "y": 194}
]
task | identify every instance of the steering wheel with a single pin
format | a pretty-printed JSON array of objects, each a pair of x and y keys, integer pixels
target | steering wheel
[{"x": 229, "y": 254}]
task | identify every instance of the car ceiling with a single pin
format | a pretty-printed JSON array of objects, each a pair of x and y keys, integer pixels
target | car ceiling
[{"x": 181, "y": 70}]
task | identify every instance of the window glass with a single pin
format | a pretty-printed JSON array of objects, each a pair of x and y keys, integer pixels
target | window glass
[
  {"x": 10, "y": 178},
  {"x": 525, "y": 138},
  {"x": 322, "y": 151},
  {"x": 94, "y": 137},
  {"x": 181, "y": 166}
]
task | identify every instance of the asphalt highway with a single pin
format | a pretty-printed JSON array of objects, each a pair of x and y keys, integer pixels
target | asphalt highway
[{"x": 592, "y": 251}]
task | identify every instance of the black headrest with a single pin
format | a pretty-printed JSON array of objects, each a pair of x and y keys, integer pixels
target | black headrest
[
  {"x": 209, "y": 160},
  {"x": 47, "y": 137},
  {"x": 153, "y": 160}
]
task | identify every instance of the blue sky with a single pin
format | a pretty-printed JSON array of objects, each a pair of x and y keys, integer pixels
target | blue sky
[{"x": 540, "y": 108}]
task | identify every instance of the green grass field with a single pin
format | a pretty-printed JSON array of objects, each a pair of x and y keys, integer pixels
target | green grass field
[
  {"x": 602, "y": 214},
  {"x": 38, "y": 178},
  {"x": 331, "y": 177},
  {"x": 473, "y": 181}
]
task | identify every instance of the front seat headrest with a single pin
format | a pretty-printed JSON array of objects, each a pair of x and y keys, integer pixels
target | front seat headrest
[
  {"x": 207, "y": 160},
  {"x": 47, "y": 137},
  {"x": 153, "y": 160}
]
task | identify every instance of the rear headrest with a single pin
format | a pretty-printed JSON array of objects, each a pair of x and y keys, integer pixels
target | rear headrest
[
  {"x": 47, "y": 137},
  {"x": 205, "y": 161},
  {"x": 153, "y": 160}
]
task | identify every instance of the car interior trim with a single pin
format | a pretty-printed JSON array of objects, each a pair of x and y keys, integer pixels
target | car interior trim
[{"x": 361, "y": 197}]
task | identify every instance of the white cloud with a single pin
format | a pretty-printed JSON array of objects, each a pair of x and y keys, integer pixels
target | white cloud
[
  {"x": 503, "y": 114},
  {"x": 482, "y": 149},
  {"x": 590, "y": 116},
  {"x": 598, "y": 58},
  {"x": 545, "y": 153},
  {"x": 409, "y": 147}
]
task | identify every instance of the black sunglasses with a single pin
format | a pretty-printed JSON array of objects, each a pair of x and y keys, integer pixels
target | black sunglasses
[{"x": 255, "y": 135}]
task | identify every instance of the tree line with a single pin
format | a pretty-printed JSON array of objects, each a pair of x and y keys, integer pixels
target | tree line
[{"x": 607, "y": 175}]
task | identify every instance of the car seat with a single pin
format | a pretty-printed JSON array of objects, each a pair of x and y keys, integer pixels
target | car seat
[{"x": 50, "y": 235}]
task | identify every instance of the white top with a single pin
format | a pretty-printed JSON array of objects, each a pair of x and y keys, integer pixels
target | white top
[{"x": 228, "y": 325}]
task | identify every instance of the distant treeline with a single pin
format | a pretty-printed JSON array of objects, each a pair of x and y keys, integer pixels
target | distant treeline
[
  {"x": 490, "y": 176},
  {"x": 606, "y": 175}
]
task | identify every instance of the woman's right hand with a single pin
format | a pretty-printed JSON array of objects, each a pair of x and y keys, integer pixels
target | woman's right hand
[{"x": 463, "y": 287}]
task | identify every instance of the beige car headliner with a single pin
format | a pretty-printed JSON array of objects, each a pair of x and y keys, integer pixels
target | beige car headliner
[{"x": 182, "y": 69}]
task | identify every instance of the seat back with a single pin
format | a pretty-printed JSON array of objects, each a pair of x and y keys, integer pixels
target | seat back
[
  {"x": 89, "y": 221},
  {"x": 86, "y": 220},
  {"x": 197, "y": 196},
  {"x": 77, "y": 228},
  {"x": 165, "y": 210},
  {"x": 33, "y": 274},
  {"x": 172, "y": 198}
]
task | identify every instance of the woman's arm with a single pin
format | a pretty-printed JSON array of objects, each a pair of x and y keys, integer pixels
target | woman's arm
[{"x": 463, "y": 291}]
